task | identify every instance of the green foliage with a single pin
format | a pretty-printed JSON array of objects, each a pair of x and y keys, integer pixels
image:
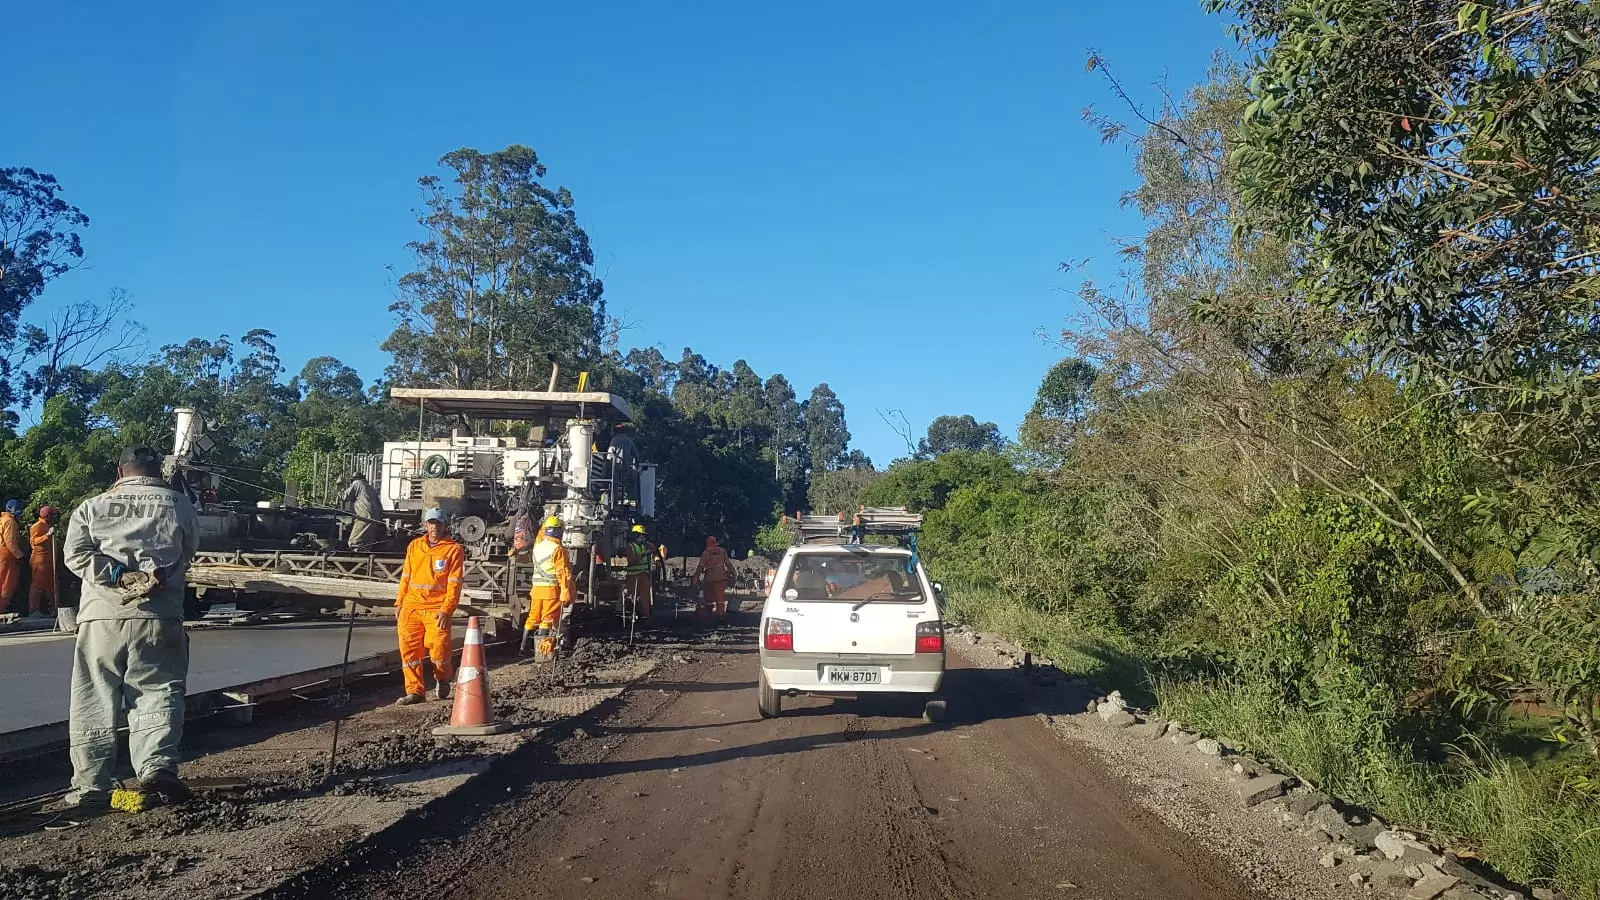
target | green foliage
[
  {"x": 503, "y": 282},
  {"x": 840, "y": 490},
  {"x": 1538, "y": 825},
  {"x": 773, "y": 540},
  {"x": 947, "y": 433},
  {"x": 61, "y": 461},
  {"x": 827, "y": 436},
  {"x": 39, "y": 242}
]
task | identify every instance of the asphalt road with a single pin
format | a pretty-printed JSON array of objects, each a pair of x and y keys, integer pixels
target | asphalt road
[
  {"x": 36, "y": 669},
  {"x": 686, "y": 792}
]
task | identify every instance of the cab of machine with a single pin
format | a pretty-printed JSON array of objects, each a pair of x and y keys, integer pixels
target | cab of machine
[{"x": 851, "y": 619}]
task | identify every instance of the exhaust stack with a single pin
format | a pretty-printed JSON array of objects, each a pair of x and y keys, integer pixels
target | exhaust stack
[{"x": 186, "y": 429}]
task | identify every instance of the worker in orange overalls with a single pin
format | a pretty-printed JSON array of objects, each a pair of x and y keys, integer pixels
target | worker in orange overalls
[
  {"x": 552, "y": 583},
  {"x": 713, "y": 573},
  {"x": 12, "y": 553},
  {"x": 430, "y": 591},
  {"x": 42, "y": 536}
]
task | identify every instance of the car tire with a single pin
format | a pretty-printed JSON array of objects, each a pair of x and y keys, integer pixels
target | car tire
[
  {"x": 936, "y": 711},
  {"x": 769, "y": 700}
]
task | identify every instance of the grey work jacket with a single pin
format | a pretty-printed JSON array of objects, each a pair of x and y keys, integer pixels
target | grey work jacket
[
  {"x": 141, "y": 524},
  {"x": 362, "y": 499}
]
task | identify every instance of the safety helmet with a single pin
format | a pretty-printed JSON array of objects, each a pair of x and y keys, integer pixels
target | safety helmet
[
  {"x": 46, "y": 512},
  {"x": 553, "y": 522},
  {"x": 638, "y": 529},
  {"x": 436, "y": 515},
  {"x": 14, "y": 506}
]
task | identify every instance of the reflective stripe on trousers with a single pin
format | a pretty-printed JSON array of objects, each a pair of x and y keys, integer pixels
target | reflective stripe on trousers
[
  {"x": 126, "y": 672},
  {"x": 421, "y": 638}
]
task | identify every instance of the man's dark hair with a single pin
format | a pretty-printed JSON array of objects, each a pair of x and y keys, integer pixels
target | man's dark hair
[{"x": 140, "y": 460}]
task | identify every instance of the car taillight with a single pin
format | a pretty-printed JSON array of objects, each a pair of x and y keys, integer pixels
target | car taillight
[
  {"x": 779, "y": 635},
  {"x": 930, "y": 637}
]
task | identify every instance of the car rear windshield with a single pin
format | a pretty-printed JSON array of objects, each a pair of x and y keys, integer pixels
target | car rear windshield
[{"x": 847, "y": 576}]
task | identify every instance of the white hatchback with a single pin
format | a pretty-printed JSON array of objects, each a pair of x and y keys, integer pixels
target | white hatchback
[{"x": 851, "y": 619}]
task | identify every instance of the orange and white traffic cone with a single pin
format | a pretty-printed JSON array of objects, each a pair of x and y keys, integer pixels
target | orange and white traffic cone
[{"x": 472, "y": 716}]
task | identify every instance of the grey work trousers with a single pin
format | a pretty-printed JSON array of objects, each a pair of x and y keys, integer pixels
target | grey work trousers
[{"x": 130, "y": 671}]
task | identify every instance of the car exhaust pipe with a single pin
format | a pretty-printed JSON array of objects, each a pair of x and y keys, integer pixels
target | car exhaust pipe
[{"x": 792, "y": 693}]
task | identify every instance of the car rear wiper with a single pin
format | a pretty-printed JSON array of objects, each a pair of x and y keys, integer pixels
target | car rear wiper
[{"x": 878, "y": 596}]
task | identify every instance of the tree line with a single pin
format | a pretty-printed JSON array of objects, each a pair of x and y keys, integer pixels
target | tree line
[
  {"x": 1319, "y": 472},
  {"x": 501, "y": 288}
]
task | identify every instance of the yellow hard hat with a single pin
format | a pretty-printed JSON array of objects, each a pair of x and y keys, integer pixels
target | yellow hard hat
[
  {"x": 638, "y": 529},
  {"x": 553, "y": 522}
]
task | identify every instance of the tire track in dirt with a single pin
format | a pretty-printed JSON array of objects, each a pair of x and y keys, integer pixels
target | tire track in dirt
[{"x": 686, "y": 792}]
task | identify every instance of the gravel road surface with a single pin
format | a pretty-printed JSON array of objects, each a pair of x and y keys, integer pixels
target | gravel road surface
[{"x": 686, "y": 792}]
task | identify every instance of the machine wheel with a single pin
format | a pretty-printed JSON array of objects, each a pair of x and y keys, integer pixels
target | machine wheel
[
  {"x": 471, "y": 529},
  {"x": 936, "y": 710},
  {"x": 770, "y": 701}
]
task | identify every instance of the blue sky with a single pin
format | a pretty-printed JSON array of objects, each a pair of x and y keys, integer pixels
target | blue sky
[{"x": 875, "y": 195}]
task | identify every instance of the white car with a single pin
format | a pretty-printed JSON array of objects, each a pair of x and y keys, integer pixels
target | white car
[{"x": 851, "y": 619}]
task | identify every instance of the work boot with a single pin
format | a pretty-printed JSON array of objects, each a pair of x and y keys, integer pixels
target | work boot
[
  {"x": 78, "y": 808},
  {"x": 441, "y": 690},
  {"x": 167, "y": 786},
  {"x": 410, "y": 700}
]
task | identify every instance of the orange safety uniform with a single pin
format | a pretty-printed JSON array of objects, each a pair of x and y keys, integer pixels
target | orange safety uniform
[
  {"x": 42, "y": 592},
  {"x": 713, "y": 573},
  {"x": 552, "y": 583},
  {"x": 11, "y": 554},
  {"x": 430, "y": 584}
]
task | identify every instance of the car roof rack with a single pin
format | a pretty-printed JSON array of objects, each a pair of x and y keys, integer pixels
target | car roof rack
[{"x": 881, "y": 521}]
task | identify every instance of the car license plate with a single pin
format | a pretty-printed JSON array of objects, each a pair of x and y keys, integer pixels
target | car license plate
[{"x": 852, "y": 674}]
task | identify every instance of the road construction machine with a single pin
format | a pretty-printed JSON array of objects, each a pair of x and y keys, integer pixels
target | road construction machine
[{"x": 511, "y": 459}]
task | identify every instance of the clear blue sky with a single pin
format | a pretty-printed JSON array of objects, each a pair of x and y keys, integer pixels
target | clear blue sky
[{"x": 875, "y": 195}]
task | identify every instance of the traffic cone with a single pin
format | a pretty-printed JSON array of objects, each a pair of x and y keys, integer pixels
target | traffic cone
[{"x": 472, "y": 716}]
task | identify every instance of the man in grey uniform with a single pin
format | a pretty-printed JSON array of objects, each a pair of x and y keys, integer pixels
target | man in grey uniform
[
  {"x": 132, "y": 547},
  {"x": 361, "y": 498}
]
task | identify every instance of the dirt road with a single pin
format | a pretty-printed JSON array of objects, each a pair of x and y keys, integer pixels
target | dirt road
[{"x": 686, "y": 792}]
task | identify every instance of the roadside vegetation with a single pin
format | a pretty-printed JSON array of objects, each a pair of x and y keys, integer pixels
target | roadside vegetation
[{"x": 1318, "y": 474}]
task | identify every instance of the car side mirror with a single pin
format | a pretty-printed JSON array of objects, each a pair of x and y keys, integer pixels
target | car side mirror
[{"x": 938, "y": 588}]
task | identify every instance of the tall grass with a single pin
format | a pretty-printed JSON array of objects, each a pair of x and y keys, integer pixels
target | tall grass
[
  {"x": 1536, "y": 825},
  {"x": 1046, "y": 634}
]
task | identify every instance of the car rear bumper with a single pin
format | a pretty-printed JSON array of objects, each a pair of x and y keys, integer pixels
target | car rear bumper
[{"x": 919, "y": 673}]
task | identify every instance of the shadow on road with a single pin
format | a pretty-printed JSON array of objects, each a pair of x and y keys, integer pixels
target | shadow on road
[{"x": 975, "y": 696}]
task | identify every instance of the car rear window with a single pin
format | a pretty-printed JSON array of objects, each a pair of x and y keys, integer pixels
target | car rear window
[{"x": 846, "y": 576}]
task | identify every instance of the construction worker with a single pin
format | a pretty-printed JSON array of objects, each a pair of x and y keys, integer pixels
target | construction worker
[
  {"x": 132, "y": 546},
  {"x": 660, "y": 563},
  {"x": 639, "y": 582},
  {"x": 430, "y": 591},
  {"x": 366, "y": 529},
  {"x": 12, "y": 553},
  {"x": 712, "y": 575},
  {"x": 552, "y": 581},
  {"x": 42, "y": 538}
]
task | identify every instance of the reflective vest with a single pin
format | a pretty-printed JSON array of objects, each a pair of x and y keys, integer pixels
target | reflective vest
[
  {"x": 549, "y": 559},
  {"x": 639, "y": 558}
]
